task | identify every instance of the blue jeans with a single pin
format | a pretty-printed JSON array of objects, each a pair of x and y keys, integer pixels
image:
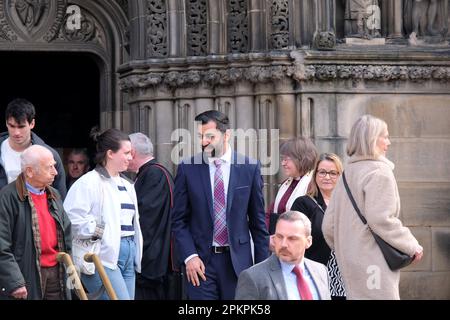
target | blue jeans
[{"x": 122, "y": 279}]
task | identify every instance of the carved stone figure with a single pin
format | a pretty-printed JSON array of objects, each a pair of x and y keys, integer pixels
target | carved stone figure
[
  {"x": 30, "y": 12},
  {"x": 426, "y": 17},
  {"x": 362, "y": 18}
]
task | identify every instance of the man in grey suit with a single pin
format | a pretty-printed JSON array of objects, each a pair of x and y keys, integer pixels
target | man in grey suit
[{"x": 278, "y": 277}]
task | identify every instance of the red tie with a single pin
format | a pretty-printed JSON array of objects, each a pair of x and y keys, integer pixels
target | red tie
[{"x": 303, "y": 289}]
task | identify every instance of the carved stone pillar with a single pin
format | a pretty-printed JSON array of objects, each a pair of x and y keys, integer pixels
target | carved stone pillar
[
  {"x": 184, "y": 120},
  {"x": 393, "y": 15},
  {"x": 137, "y": 37},
  {"x": 302, "y": 18},
  {"x": 176, "y": 24},
  {"x": 162, "y": 129},
  {"x": 258, "y": 31},
  {"x": 217, "y": 31},
  {"x": 226, "y": 103},
  {"x": 245, "y": 104}
]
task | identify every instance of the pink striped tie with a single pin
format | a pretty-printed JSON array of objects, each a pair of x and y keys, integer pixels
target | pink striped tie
[{"x": 220, "y": 220}]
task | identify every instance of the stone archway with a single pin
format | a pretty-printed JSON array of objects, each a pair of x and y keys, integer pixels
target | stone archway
[{"x": 98, "y": 28}]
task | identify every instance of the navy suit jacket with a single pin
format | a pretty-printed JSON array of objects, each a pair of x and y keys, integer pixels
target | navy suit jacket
[{"x": 193, "y": 215}]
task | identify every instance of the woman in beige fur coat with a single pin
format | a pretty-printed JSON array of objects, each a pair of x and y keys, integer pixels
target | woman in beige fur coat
[{"x": 371, "y": 180}]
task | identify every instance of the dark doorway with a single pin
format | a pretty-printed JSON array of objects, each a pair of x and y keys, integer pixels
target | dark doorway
[{"x": 64, "y": 88}]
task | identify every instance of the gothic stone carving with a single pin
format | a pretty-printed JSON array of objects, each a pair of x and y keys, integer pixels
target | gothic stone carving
[
  {"x": 157, "y": 28},
  {"x": 324, "y": 40},
  {"x": 280, "y": 23},
  {"x": 299, "y": 72},
  {"x": 237, "y": 26},
  {"x": 426, "y": 19},
  {"x": 124, "y": 5},
  {"x": 362, "y": 18},
  {"x": 372, "y": 72},
  {"x": 85, "y": 33},
  {"x": 30, "y": 12},
  {"x": 6, "y": 33},
  {"x": 59, "y": 19},
  {"x": 196, "y": 16}
]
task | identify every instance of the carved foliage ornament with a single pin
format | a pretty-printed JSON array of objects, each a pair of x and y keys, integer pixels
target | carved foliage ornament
[
  {"x": 30, "y": 12},
  {"x": 238, "y": 26},
  {"x": 280, "y": 23},
  {"x": 47, "y": 20},
  {"x": 157, "y": 28},
  {"x": 302, "y": 73},
  {"x": 197, "y": 27}
]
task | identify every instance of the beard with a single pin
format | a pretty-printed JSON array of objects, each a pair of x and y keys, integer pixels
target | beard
[{"x": 212, "y": 151}]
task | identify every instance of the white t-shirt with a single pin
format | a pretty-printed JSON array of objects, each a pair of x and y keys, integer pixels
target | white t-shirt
[{"x": 11, "y": 161}]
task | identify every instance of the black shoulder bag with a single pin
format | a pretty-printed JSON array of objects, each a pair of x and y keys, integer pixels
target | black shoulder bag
[{"x": 394, "y": 257}]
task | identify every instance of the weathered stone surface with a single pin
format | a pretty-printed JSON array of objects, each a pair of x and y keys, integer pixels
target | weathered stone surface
[
  {"x": 441, "y": 249},
  {"x": 425, "y": 285},
  {"x": 425, "y": 204}
]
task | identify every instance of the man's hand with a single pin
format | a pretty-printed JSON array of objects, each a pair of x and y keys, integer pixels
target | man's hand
[
  {"x": 195, "y": 268},
  {"x": 20, "y": 293}
]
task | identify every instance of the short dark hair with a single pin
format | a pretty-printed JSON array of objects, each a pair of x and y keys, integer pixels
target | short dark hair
[
  {"x": 20, "y": 110},
  {"x": 220, "y": 119},
  {"x": 108, "y": 140},
  {"x": 80, "y": 151}
]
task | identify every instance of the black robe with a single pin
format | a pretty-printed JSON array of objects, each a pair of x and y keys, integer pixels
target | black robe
[{"x": 153, "y": 189}]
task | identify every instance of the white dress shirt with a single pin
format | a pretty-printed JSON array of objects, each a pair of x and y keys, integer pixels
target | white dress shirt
[{"x": 226, "y": 169}]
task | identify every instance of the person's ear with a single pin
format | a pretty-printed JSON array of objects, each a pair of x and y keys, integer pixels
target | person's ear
[
  {"x": 308, "y": 242},
  {"x": 109, "y": 154},
  {"x": 227, "y": 135},
  {"x": 32, "y": 123},
  {"x": 29, "y": 172}
]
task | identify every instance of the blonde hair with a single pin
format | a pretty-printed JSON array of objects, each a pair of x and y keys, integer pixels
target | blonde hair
[
  {"x": 313, "y": 189},
  {"x": 364, "y": 135}
]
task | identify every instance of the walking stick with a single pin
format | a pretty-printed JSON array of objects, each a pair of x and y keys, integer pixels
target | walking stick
[
  {"x": 73, "y": 274},
  {"x": 91, "y": 257}
]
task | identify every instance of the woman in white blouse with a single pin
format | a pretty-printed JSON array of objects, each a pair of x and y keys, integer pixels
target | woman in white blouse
[{"x": 298, "y": 157}]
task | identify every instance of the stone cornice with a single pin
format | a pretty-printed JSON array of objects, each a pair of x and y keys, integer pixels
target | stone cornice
[{"x": 301, "y": 66}]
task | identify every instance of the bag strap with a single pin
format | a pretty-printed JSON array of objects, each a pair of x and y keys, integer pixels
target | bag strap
[
  {"x": 352, "y": 199},
  {"x": 169, "y": 180},
  {"x": 172, "y": 240},
  {"x": 317, "y": 204}
]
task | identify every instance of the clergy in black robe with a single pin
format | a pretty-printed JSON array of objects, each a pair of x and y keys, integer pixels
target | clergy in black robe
[{"x": 154, "y": 185}]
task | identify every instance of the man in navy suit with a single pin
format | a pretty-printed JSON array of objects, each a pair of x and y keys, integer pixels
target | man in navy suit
[{"x": 218, "y": 203}]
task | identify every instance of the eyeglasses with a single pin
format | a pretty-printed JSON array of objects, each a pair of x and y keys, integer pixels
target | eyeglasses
[
  {"x": 323, "y": 173},
  {"x": 285, "y": 158}
]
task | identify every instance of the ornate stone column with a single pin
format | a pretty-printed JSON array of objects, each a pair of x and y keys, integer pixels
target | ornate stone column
[
  {"x": 137, "y": 37},
  {"x": 393, "y": 13},
  {"x": 217, "y": 31},
  {"x": 176, "y": 24},
  {"x": 163, "y": 126},
  {"x": 258, "y": 30}
]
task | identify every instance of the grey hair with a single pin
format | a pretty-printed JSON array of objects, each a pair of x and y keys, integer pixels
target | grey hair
[
  {"x": 364, "y": 135},
  {"x": 31, "y": 156},
  {"x": 141, "y": 143},
  {"x": 293, "y": 216}
]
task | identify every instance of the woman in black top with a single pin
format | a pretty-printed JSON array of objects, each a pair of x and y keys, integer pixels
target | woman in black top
[{"x": 313, "y": 205}]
